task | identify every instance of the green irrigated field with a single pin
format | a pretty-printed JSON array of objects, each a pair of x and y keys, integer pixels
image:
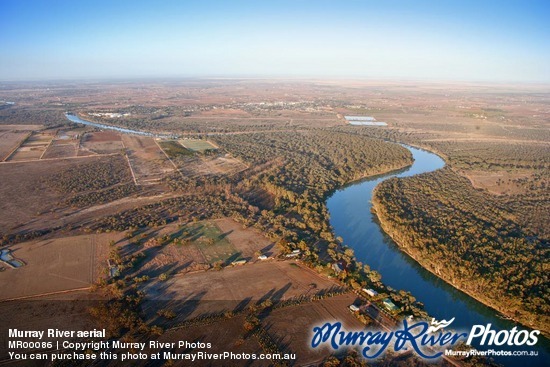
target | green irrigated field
[
  {"x": 197, "y": 145},
  {"x": 173, "y": 148},
  {"x": 211, "y": 242}
]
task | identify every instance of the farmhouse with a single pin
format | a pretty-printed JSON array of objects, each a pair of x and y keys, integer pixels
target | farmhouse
[
  {"x": 370, "y": 292},
  {"x": 389, "y": 305},
  {"x": 339, "y": 266},
  {"x": 294, "y": 253},
  {"x": 354, "y": 308}
]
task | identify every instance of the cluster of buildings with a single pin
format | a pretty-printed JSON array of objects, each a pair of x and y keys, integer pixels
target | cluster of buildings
[
  {"x": 109, "y": 114},
  {"x": 364, "y": 121}
]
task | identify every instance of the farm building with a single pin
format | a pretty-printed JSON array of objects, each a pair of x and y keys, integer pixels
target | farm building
[
  {"x": 339, "y": 266},
  {"x": 354, "y": 308},
  {"x": 294, "y": 253},
  {"x": 389, "y": 305},
  {"x": 370, "y": 292}
]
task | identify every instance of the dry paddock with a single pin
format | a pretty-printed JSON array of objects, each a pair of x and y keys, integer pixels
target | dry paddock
[
  {"x": 26, "y": 195},
  {"x": 233, "y": 288},
  {"x": 184, "y": 258},
  {"x": 56, "y": 265},
  {"x": 147, "y": 160}
]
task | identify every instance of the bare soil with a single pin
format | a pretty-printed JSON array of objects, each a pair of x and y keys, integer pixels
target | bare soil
[
  {"x": 101, "y": 142},
  {"x": 148, "y": 162},
  {"x": 9, "y": 140},
  {"x": 62, "y": 149},
  {"x": 55, "y": 265},
  {"x": 32, "y": 148},
  {"x": 497, "y": 182},
  {"x": 202, "y": 166},
  {"x": 183, "y": 258},
  {"x": 292, "y": 327},
  {"x": 234, "y": 288}
]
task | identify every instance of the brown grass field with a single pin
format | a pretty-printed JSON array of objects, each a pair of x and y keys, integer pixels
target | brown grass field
[
  {"x": 202, "y": 166},
  {"x": 234, "y": 288},
  {"x": 292, "y": 326},
  {"x": 497, "y": 183},
  {"x": 55, "y": 265},
  {"x": 68, "y": 311},
  {"x": 148, "y": 162},
  {"x": 28, "y": 198},
  {"x": 10, "y": 140},
  {"x": 62, "y": 149},
  {"x": 238, "y": 243},
  {"x": 32, "y": 148},
  {"x": 101, "y": 142}
]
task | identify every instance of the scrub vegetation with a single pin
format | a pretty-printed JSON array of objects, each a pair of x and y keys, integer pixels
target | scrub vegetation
[
  {"x": 267, "y": 155},
  {"x": 471, "y": 239}
]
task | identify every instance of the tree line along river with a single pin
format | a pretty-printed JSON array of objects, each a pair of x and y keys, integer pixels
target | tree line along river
[{"x": 353, "y": 221}]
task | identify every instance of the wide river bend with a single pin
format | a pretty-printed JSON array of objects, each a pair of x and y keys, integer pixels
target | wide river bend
[{"x": 352, "y": 219}]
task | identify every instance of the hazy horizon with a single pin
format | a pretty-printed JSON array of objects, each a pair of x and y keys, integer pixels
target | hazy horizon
[{"x": 464, "y": 41}]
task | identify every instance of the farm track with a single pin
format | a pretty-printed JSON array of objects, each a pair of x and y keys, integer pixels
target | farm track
[
  {"x": 59, "y": 159},
  {"x": 87, "y": 215},
  {"x": 169, "y": 159},
  {"x": 46, "y": 294},
  {"x": 129, "y": 163},
  {"x": 17, "y": 146}
]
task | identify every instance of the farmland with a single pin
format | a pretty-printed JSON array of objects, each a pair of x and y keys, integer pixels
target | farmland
[
  {"x": 174, "y": 248},
  {"x": 147, "y": 161},
  {"x": 196, "y": 294},
  {"x": 56, "y": 265},
  {"x": 197, "y": 145},
  {"x": 247, "y": 171},
  {"x": 210, "y": 242},
  {"x": 210, "y": 166},
  {"x": 62, "y": 148},
  {"x": 102, "y": 142},
  {"x": 173, "y": 149},
  {"x": 221, "y": 335},
  {"x": 291, "y": 326},
  {"x": 69, "y": 309},
  {"x": 10, "y": 140},
  {"x": 32, "y": 148}
]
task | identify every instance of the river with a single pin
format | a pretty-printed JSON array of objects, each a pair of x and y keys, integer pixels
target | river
[
  {"x": 78, "y": 120},
  {"x": 351, "y": 219}
]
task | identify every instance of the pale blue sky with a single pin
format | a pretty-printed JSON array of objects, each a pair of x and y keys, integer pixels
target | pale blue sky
[{"x": 447, "y": 40}]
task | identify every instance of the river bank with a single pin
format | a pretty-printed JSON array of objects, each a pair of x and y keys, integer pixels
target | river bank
[
  {"x": 400, "y": 238},
  {"x": 352, "y": 220},
  {"x": 77, "y": 119}
]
